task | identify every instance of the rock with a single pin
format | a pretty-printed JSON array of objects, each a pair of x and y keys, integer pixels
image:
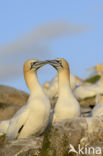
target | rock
[
  {"x": 22, "y": 147},
  {"x": 11, "y": 100},
  {"x": 7, "y": 110},
  {"x": 9, "y": 95},
  {"x": 84, "y": 131}
]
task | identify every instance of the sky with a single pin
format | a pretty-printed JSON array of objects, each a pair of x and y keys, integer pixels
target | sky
[{"x": 46, "y": 29}]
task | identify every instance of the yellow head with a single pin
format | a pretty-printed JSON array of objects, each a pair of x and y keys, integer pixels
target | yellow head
[
  {"x": 59, "y": 64},
  {"x": 33, "y": 65},
  {"x": 46, "y": 85},
  {"x": 99, "y": 67}
]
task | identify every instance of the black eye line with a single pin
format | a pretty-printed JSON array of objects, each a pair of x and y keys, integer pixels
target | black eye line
[
  {"x": 57, "y": 61},
  {"x": 60, "y": 62},
  {"x": 32, "y": 64}
]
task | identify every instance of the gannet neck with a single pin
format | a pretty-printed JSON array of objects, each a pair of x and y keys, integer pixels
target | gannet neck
[
  {"x": 63, "y": 78},
  {"x": 32, "y": 81}
]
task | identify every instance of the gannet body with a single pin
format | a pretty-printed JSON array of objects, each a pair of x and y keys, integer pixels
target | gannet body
[
  {"x": 33, "y": 117},
  {"x": 67, "y": 106},
  {"x": 3, "y": 126},
  {"x": 90, "y": 90},
  {"x": 51, "y": 88},
  {"x": 98, "y": 109}
]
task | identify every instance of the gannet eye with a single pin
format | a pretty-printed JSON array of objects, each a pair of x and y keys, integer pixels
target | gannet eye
[
  {"x": 60, "y": 62},
  {"x": 32, "y": 64}
]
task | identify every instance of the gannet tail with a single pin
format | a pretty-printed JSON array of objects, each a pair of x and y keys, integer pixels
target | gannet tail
[{"x": 4, "y": 126}]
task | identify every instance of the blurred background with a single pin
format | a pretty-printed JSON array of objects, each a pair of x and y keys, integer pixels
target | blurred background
[{"x": 47, "y": 30}]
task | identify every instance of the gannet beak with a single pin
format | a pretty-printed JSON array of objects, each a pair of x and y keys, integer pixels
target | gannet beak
[
  {"x": 91, "y": 69},
  {"x": 41, "y": 63},
  {"x": 38, "y": 64},
  {"x": 54, "y": 63}
]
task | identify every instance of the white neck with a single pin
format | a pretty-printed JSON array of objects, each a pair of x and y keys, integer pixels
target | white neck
[
  {"x": 32, "y": 82},
  {"x": 64, "y": 80}
]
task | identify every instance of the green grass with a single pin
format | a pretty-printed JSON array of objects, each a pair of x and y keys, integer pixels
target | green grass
[{"x": 93, "y": 79}]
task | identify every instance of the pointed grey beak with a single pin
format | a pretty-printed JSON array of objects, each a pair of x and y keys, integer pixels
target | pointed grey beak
[
  {"x": 41, "y": 63},
  {"x": 38, "y": 64},
  {"x": 55, "y": 63}
]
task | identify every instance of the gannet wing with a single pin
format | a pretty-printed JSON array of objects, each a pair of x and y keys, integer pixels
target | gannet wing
[
  {"x": 17, "y": 123},
  {"x": 4, "y": 126}
]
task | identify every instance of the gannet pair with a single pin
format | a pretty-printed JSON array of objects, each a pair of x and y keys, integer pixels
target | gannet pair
[
  {"x": 51, "y": 88},
  {"x": 32, "y": 118},
  {"x": 67, "y": 106}
]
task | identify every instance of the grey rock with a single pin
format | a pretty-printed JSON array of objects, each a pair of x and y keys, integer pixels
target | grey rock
[
  {"x": 22, "y": 147},
  {"x": 10, "y": 95},
  {"x": 84, "y": 131},
  {"x": 11, "y": 100}
]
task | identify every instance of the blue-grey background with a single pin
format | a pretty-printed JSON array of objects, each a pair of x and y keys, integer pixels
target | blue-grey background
[{"x": 44, "y": 29}]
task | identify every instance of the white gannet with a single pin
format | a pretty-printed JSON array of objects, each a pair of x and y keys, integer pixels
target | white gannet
[
  {"x": 4, "y": 126},
  {"x": 33, "y": 117},
  {"x": 98, "y": 68},
  {"x": 89, "y": 90},
  {"x": 67, "y": 106},
  {"x": 98, "y": 109},
  {"x": 51, "y": 88}
]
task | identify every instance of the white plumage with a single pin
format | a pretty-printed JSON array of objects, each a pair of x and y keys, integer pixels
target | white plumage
[
  {"x": 98, "y": 109},
  {"x": 89, "y": 90},
  {"x": 67, "y": 106},
  {"x": 51, "y": 88},
  {"x": 32, "y": 118}
]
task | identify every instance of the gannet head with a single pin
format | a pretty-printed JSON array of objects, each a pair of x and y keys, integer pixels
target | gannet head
[
  {"x": 59, "y": 64},
  {"x": 33, "y": 65},
  {"x": 98, "y": 68},
  {"x": 46, "y": 85}
]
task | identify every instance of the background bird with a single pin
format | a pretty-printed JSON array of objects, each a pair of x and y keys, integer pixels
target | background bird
[{"x": 98, "y": 109}]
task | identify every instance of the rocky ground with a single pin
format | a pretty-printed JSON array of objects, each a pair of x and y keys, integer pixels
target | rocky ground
[{"x": 58, "y": 138}]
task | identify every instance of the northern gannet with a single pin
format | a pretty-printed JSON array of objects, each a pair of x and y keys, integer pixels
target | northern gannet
[
  {"x": 51, "y": 88},
  {"x": 98, "y": 109},
  {"x": 33, "y": 117},
  {"x": 98, "y": 68},
  {"x": 67, "y": 106},
  {"x": 89, "y": 90}
]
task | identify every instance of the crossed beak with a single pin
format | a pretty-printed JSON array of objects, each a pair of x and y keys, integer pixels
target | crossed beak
[
  {"x": 41, "y": 63},
  {"x": 54, "y": 63},
  {"x": 38, "y": 64}
]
